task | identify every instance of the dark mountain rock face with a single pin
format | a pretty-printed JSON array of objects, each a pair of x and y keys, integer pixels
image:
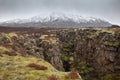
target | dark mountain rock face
[{"x": 94, "y": 53}]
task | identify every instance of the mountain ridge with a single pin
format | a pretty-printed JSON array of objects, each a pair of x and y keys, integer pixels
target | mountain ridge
[{"x": 58, "y": 21}]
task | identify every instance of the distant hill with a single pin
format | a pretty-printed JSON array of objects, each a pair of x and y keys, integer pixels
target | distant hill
[{"x": 115, "y": 26}]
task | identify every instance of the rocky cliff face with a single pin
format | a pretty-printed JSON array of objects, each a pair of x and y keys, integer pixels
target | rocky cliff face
[{"x": 94, "y": 53}]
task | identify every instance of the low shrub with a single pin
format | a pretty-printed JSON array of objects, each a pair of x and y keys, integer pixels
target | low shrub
[
  {"x": 11, "y": 53},
  {"x": 53, "y": 77},
  {"x": 72, "y": 75},
  {"x": 37, "y": 66}
]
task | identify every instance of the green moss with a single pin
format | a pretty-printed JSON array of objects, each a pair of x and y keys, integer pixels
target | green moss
[
  {"x": 65, "y": 58},
  {"x": 110, "y": 77},
  {"x": 114, "y": 44},
  {"x": 91, "y": 36},
  {"x": 71, "y": 58},
  {"x": 84, "y": 68},
  {"x": 12, "y": 34}
]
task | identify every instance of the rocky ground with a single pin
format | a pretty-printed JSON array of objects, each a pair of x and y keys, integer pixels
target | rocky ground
[{"x": 92, "y": 52}]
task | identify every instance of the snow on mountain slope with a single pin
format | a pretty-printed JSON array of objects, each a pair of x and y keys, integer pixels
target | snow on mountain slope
[{"x": 59, "y": 21}]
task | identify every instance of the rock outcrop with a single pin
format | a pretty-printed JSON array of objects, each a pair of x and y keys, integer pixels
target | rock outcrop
[{"x": 93, "y": 52}]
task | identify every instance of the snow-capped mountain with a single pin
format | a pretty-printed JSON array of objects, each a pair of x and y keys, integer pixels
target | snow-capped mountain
[{"x": 58, "y": 21}]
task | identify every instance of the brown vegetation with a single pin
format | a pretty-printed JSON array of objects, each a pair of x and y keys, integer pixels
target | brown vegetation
[
  {"x": 72, "y": 75},
  {"x": 11, "y": 53},
  {"x": 53, "y": 77},
  {"x": 37, "y": 66}
]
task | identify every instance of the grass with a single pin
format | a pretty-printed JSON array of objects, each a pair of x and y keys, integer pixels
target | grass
[{"x": 27, "y": 68}]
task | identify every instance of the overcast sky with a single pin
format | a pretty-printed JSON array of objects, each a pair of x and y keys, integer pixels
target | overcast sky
[{"x": 105, "y": 9}]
